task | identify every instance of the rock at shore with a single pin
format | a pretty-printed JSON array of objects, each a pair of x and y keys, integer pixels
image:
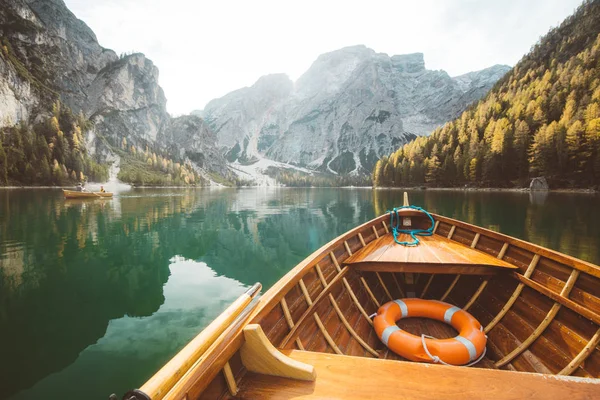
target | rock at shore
[{"x": 539, "y": 184}]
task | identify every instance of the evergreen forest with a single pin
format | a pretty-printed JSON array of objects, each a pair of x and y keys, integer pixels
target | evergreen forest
[{"x": 541, "y": 119}]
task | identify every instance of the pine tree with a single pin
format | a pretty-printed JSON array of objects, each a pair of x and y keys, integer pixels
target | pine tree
[
  {"x": 592, "y": 130},
  {"x": 57, "y": 173},
  {"x": 56, "y": 109},
  {"x": 570, "y": 108},
  {"x": 501, "y": 128},
  {"x": 377, "y": 174},
  {"x": 29, "y": 173},
  {"x": 592, "y": 134},
  {"x": 3, "y": 163},
  {"x": 575, "y": 144},
  {"x": 41, "y": 147},
  {"x": 54, "y": 125},
  {"x": 562, "y": 155},
  {"x": 44, "y": 171},
  {"x": 433, "y": 170},
  {"x": 388, "y": 174},
  {"x": 473, "y": 173},
  {"x": 459, "y": 163},
  {"x": 521, "y": 140},
  {"x": 77, "y": 139}
]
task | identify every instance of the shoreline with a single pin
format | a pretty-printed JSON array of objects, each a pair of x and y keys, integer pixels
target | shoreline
[
  {"x": 516, "y": 190},
  {"x": 132, "y": 187},
  {"x": 450, "y": 189}
]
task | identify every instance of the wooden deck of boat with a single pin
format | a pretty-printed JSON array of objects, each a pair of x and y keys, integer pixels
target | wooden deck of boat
[
  {"x": 359, "y": 378},
  {"x": 539, "y": 308},
  {"x": 433, "y": 254}
]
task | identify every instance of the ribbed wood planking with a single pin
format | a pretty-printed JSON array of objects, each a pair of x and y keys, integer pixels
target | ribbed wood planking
[{"x": 541, "y": 308}]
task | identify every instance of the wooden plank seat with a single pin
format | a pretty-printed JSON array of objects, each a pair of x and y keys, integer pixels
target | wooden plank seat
[
  {"x": 434, "y": 254},
  {"x": 369, "y": 378}
]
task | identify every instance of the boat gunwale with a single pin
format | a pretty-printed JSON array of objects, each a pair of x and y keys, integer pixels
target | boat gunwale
[
  {"x": 567, "y": 260},
  {"x": 274, "y": 295},
  {"x": 74, "y": 194},
  {"x": 265, "y": 304},
  {"x": 281, "y": 287},
  {"x": 276, "y": 292}
]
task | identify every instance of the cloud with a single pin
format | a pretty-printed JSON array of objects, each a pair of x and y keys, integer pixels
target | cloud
[{"x": 206, "y": 49}]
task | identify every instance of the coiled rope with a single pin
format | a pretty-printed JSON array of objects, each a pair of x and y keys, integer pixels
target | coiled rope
[
  {"x": 437, "y": 360},
  {"x": 412, "y": 232}
]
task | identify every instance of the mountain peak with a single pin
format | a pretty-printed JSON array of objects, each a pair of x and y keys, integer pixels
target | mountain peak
[
  {"x": 411, "y": 63},
  {"x": 271, "y": 80},
  {"x": 330, "y": 70},
  {"x": 356, "y": 50},
  {"x": 351, "y": 106}
]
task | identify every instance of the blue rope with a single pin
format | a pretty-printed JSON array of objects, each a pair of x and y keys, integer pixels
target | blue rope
[{"x": 412, "y": 232}]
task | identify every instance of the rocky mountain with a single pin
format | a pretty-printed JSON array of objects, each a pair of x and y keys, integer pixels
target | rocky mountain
[
  {"x": 50, "y": 54},
  {"x": 352, "y": 106},
  {"x": 189, "y": 137}
]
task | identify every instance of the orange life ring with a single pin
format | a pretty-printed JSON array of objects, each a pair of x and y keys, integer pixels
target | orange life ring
[{"x": 467, "y": 347}]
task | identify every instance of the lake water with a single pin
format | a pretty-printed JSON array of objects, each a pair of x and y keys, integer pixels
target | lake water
[{"x": 95, "y": 296}]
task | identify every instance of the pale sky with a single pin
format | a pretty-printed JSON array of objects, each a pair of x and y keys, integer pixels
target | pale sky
[{"x": 205, "y": 49}]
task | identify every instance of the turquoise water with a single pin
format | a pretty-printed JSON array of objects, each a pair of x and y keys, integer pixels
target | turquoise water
[{"x": 96, "y": 295}]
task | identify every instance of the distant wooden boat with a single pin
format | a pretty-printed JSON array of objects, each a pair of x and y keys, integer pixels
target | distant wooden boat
[
  {"x": 73, "y": 194},
  {"x": 311, "y": 335}
]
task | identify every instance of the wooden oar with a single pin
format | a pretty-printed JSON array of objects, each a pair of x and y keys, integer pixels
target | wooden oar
[{"x": 96, "y": 194}]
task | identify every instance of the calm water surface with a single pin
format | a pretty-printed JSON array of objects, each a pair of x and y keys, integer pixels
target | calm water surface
[{"x": 95, "y": 296}]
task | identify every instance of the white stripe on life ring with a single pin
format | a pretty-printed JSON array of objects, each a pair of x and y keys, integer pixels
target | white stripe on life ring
[
  {"x": 387, "y": 332},
  {"x": 469, "y": 345},
  {"x": 449, "y": 313},
  {"x": 403, "y": 307}
]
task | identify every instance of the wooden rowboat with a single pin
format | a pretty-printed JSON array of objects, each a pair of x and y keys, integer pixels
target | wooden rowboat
[
  {"x": 72, "y": 194},
  {"x": 311, "y": 334}
]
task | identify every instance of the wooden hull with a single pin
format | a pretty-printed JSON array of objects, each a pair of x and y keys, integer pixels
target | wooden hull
[
  {"x": 72, "y": 194},
  {"x": 539, "y": 308}
]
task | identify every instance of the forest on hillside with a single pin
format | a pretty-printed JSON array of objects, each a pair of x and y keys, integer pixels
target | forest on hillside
[
  {"x": 50, "y": 152},
  {"x": 541, "y": 119},
  {"x": 295, "y": 178},
  {"x": 147, "y": 167},
  {"x": 53, "y": 152}
]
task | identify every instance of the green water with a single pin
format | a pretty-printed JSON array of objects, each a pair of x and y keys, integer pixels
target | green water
[{"x": 96, "y": 295}]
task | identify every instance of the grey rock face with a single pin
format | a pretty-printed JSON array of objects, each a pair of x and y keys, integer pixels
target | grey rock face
[
  {"x": 125, "y": 101},
  {"x": 476, "y": 84},
  {"x": 351, "y": 107},
  {"x": 121, "y": 96},
  {"x": 67, "y": 48},
  {"x": 190, "y": 138},
  {"x": 16, "y": 99},
  {"x": 16, "y": 96},
  {"x": 241, "y": 115}
]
